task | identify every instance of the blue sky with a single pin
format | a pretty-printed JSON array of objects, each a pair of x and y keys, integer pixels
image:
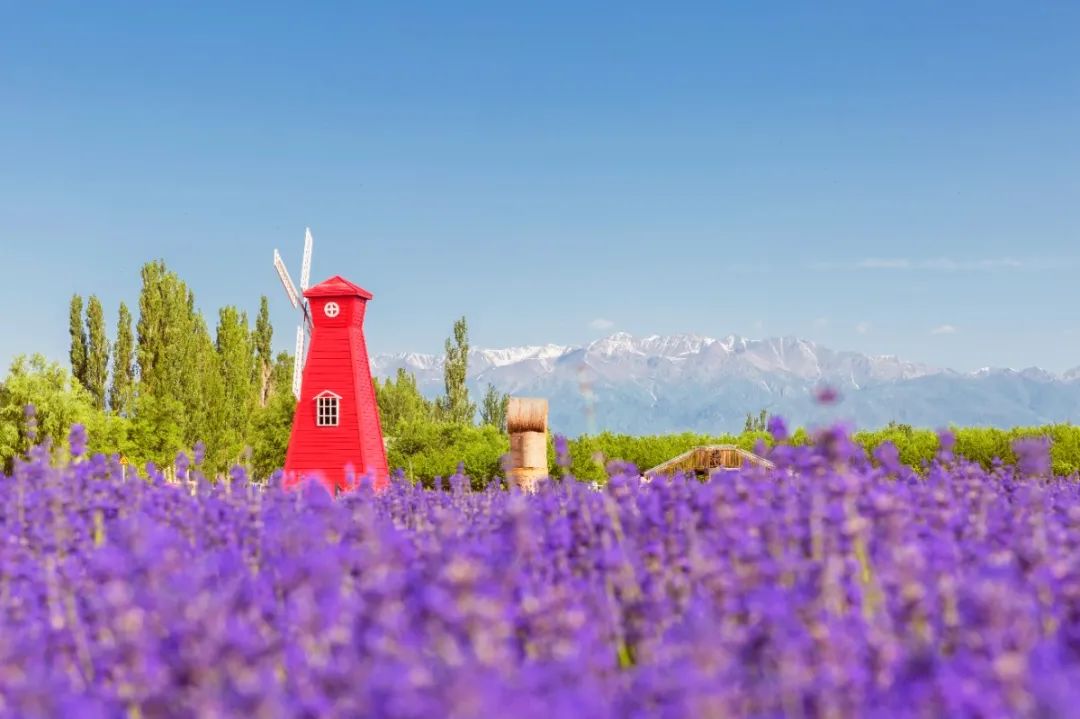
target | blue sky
[{"x": 896, "y": 178}]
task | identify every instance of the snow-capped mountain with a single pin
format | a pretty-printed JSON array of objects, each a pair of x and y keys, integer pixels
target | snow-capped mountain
[{"x": 688, "y": 382}]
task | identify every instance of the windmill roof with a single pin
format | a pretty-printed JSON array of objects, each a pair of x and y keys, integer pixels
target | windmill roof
[{"x": 337, "y": 286}]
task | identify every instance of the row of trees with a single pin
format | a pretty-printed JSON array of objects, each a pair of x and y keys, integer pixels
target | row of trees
[
  {"x": 437, "y": 454},
  {"x": 401, "y": 403},
  {"x": 160, "y": 386},
  {"x": 162, "y": 383}
]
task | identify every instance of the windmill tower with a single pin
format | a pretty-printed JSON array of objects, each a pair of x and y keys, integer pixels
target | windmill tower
[{"x": 336, "y": 429}]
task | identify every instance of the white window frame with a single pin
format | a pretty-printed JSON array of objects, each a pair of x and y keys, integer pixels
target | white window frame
[{"x": 327, "y": 409}]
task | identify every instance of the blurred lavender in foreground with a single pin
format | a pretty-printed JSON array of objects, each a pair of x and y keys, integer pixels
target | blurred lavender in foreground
[{"x": 836, "y": 585}]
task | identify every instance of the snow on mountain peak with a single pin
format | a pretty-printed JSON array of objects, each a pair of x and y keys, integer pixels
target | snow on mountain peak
[
  {"x": 513, "y": 355},
  {"x": 680, "y": 382}
]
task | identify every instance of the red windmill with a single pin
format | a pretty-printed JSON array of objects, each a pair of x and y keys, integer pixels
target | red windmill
[{"x": 336, "y": 425}]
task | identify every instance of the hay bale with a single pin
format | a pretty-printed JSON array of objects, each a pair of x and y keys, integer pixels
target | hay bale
[
  {"x": 527, "y": 478},
  {"x": 528, "y": 450},
  {"x": 526, "y": 414},
  {"x": 533, "y": 448}
]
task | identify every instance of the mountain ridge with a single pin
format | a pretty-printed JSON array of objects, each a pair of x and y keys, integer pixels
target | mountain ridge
[{"x": 691, "y": 382}]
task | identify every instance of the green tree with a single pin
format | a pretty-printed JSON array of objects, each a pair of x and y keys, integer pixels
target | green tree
[
  {"x": 97, "y": 353},
  {"x": 455, "y": 406},
  {"x": 263, "y": 339},
  {"x": 166, "y": 333},
  {"x": 235, "y": 360},
  {"x": 272, "y": 424},
  {"x": 157, "y": 431},
  {"x": 493, "y": 408},
  {"x": 207, "y": 412},
  {"x": 77, "y": 353},
  {"x": 429, "y": 449},
  {"x": 177, "y": 362},
  {"x": 756, "y": 424},
  {"x": 59, "y": 402},
  {"x": 123, "y": 369},
  {"x": 400, "y": 401}
]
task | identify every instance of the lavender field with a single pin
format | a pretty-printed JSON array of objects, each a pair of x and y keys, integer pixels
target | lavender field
[{"x": 834, "y": 586}]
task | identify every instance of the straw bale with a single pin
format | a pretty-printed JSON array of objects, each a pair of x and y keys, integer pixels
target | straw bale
[
  {"x": 527, "y": 478},
  {"x": 526, "y": 414},
  {"x": 533, "y": 448}
]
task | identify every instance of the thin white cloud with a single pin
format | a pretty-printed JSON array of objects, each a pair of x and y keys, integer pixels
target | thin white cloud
[
  {"x": 821, "y": 322},
  {"x": 943, "y": 330},
  {"x": 944, "y": 264},
  {"x": 601, "y": 324},
  {"x": 862, "y": 327}
]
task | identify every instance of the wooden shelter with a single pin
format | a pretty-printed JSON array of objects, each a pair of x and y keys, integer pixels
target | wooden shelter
[{"x": 702, "y": 461}]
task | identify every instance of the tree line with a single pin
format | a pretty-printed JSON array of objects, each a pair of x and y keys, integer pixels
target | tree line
[{"x": 164, "y": 382}]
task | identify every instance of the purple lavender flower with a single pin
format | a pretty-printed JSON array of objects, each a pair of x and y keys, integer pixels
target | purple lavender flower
[
  {"x": 826, "y": 395},
  {"x": 1032, "y": 456},
  {"x": 825, "y": 587},
  {"x": 30, "y": 416},
  {"x": 77, "y": 440},
  {"x": 562, "y": 451},
  {"x": 947, "y": 441},
  {"x": 181, "y": 464},
  {"x": 777, "y": 428}
]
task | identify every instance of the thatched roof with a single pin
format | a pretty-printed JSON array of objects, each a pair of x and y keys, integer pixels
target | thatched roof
[{"x": 707, "y": 458}]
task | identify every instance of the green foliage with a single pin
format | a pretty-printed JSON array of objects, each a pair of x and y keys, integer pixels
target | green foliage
[
  {"x": 980, "y": 444},
  {"x": 455, "y": 405},
  {"x": 915, "y": 446},
  {"x": 263, "y": 339},
  {"x": 493, "y": 408},
  {"x": 272, "y": 424},
  {"x": 77, "y": 354},
  {"x": 235, "y": 365},
  {"x": 428, "y": 449},
  {"x": 123, "y": 370},
  {"x": 59, "y": 402},
  {"x": 157, "y": 432},
  {"x": 97, "y": 352},
  {"x": 756, "y": 424},
  {"x": 400, "y": 402},
  {"x": 168, "y": 335},
  {"x": 204, "y": 414}
]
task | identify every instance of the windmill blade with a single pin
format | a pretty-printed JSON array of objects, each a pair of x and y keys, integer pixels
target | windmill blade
[
  {"x": 290, "y": 288},
  {"x": 298, "y": 361},
  {"x": 305, "y": 266}
]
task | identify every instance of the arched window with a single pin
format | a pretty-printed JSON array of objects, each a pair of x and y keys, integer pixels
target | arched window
[{"x": 327, "y": 409}]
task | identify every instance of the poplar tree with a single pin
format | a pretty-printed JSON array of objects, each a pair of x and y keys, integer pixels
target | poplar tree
[
  {"x": 234, "y": 349},
  {"x": 206, "y": 421},
  {"x": 493, "y": 408},
  {"x": 77, "y": 331},
  {"x": 175, "y": 357},
  {"x": 455, "y": 406},
  {"x": 123, "y": 369},
  {"x": 400, "y": 402},
  {"x": 97, "y": 353},
  {"x": 263, "y": 340}
]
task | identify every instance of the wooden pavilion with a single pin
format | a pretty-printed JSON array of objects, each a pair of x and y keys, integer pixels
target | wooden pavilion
[{"x": 703, "y": 461}]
